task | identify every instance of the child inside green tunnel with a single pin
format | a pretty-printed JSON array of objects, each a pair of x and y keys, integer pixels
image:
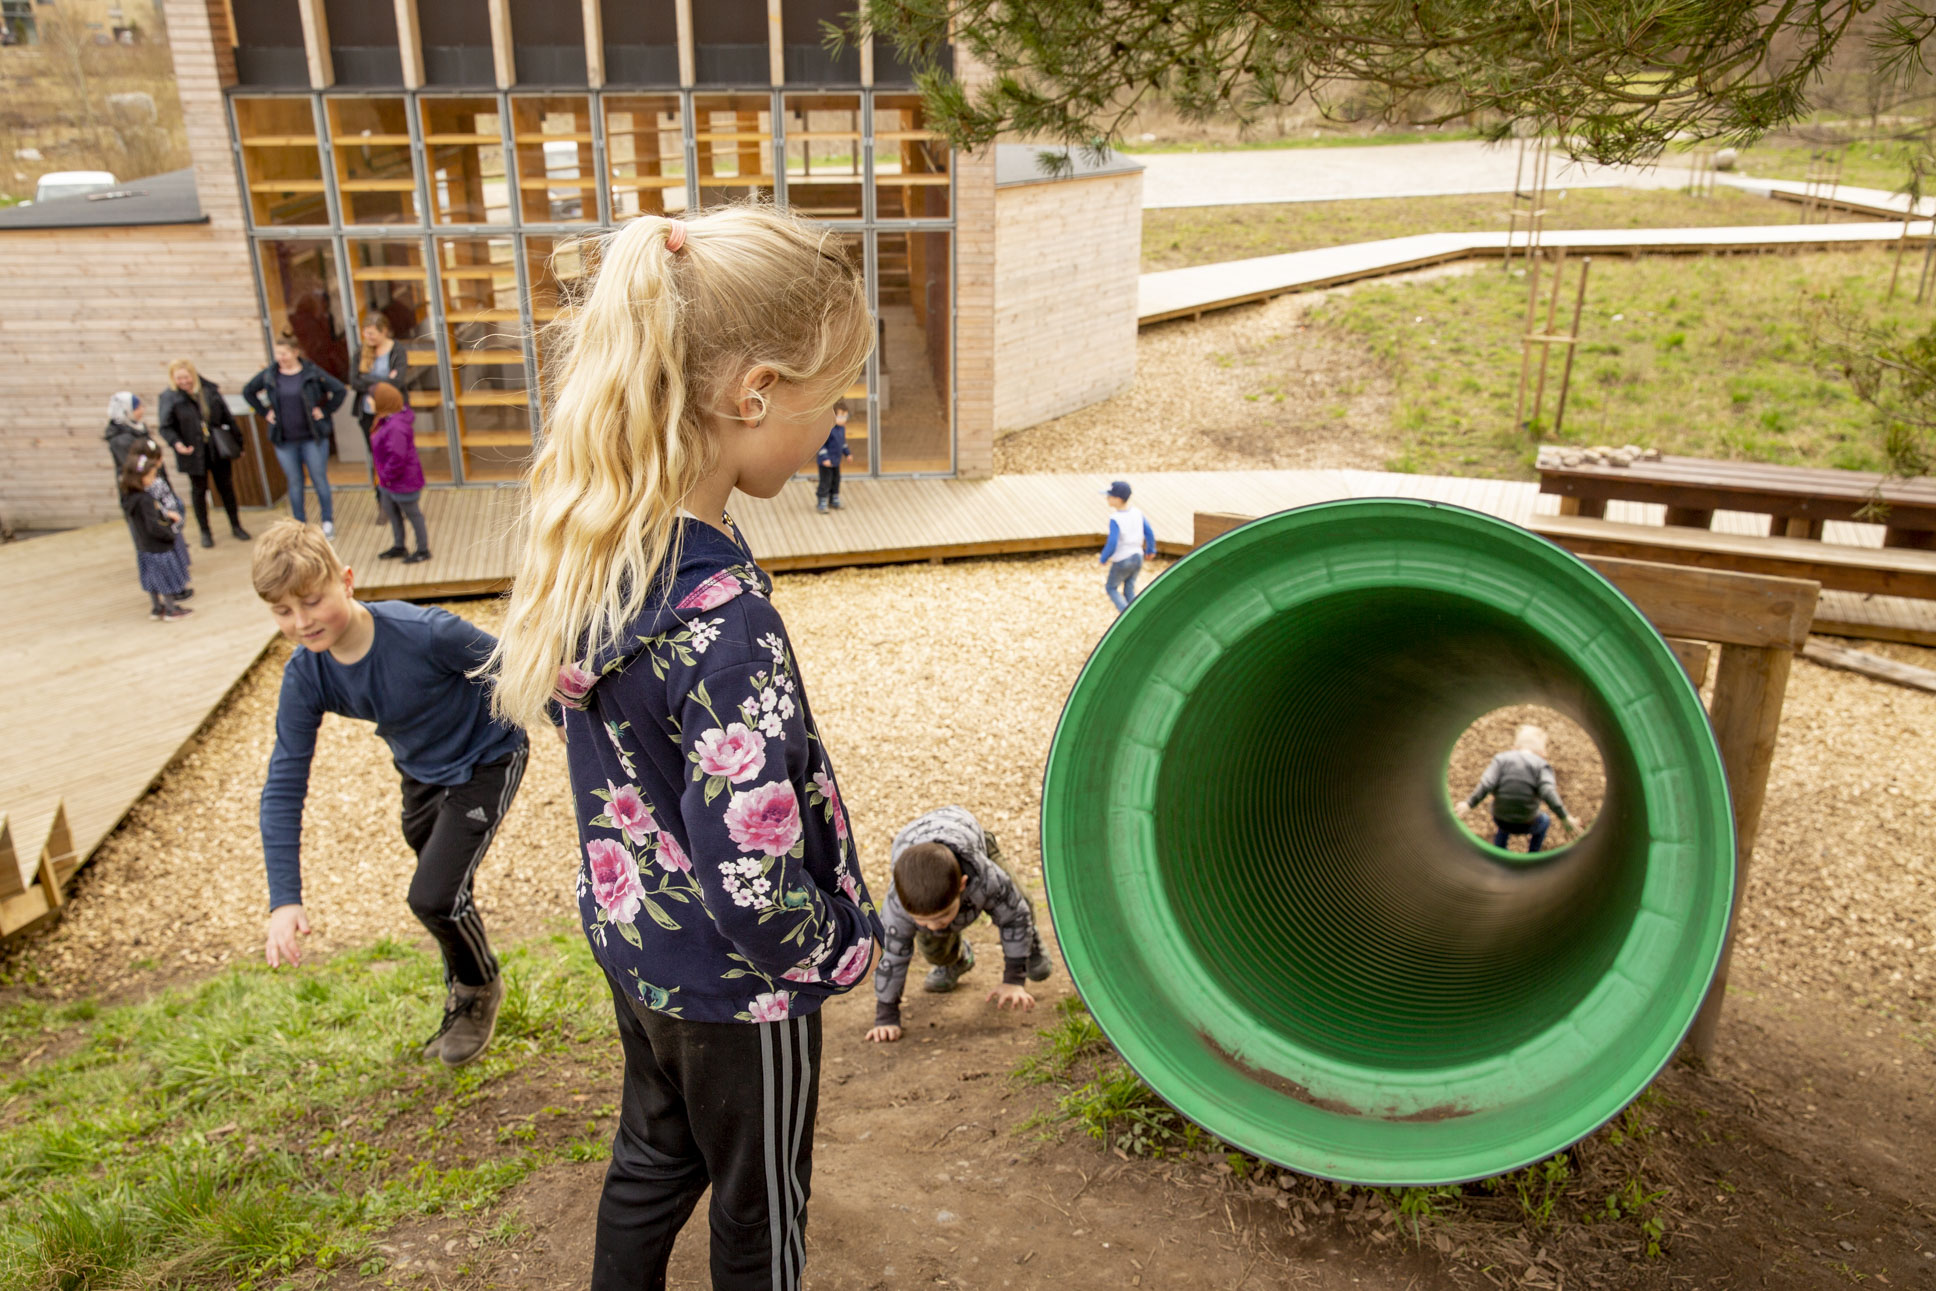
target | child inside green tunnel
[{"x": 1519, "y": 780}]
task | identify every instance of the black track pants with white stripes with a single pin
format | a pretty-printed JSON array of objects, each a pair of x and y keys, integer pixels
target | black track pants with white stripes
[
  {"x": 450, "y": 829},
  {"x": 729, "y": 1104}
]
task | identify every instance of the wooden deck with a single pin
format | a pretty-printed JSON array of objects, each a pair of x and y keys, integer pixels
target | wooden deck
[
  {"x": 99, "y": 697},
  {"x": 1187, "y": 293},
  {"x": 102, "y": 698}
]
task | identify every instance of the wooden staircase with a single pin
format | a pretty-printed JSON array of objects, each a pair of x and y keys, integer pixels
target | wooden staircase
[{"x": 34, "y": 895}]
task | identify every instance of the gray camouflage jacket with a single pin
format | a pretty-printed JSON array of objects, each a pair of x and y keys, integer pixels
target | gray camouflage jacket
[{"x": 990, "y": 891}]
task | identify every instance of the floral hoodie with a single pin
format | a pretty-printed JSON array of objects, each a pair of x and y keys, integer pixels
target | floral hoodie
[{"x": 718, "y": 880}]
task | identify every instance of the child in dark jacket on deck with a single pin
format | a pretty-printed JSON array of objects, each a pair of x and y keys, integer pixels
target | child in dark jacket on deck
[
  {"x": 719, "y": 886},
  {"x": 947, "y": 873},
  {"x": 399, "y": 475},
  {"x": 831, "y": 455}
]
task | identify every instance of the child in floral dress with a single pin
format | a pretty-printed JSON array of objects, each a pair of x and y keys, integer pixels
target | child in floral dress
[{"x": 719, "y": 885}]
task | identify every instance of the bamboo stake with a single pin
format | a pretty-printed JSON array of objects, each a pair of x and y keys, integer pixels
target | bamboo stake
[
  {"x": 1526, "y": 346},
  {"x": 1566, "y": 375},
  {"x": 1545, "y": 345}
]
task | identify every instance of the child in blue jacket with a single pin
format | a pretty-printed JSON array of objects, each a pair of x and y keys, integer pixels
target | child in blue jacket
[
  {"x": 1130, "y": 540},
  {"x": 831, "y": 454}
]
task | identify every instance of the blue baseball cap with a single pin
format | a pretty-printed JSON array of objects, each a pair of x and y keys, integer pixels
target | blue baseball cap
[{"x": 1119, "y": 489}]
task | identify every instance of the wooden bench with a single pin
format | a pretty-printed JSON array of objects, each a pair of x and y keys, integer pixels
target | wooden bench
[
  {"x": 1867, "y": 570},
  {"x": 1795, "y": 499}
]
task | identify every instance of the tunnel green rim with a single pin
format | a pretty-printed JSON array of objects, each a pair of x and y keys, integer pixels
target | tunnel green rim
[{"x": 1263, "y": 1092}]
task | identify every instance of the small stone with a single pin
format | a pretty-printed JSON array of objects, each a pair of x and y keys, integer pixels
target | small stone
[{"x": 945, "y": 1217}]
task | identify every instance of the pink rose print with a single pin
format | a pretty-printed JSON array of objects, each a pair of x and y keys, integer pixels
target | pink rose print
[
  {"x": 831, "y": 792},
  {"x": 574, "y": 682},
  {"x": 765, "y": 819},
  {"x": 629, "y": 812},
  {"x": 737, "y": 753},
  {"x": 615, "y": 880},
  {"x": 802, "y": 973},
  {"x": 854, "y": 962},
  {"x": 711, "y": 594},
  {"x": 770, "y": 1007},
  {"x": 671, "y": 856},
  {"x": 850, "y": 888}
]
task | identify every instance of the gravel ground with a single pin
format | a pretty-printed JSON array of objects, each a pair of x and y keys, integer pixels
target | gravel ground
[
  {"x": 1250, "y": 388},
  {"x": 1842, "y": 902}
]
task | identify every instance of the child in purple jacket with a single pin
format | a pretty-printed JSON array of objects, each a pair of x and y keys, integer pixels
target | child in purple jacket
[{"x": 399, "y": 475}]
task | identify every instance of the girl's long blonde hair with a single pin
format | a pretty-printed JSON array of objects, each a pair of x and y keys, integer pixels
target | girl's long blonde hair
[{"x": 641, "y": 362}]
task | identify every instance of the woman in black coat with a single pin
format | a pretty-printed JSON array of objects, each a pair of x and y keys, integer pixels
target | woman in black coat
[
  {"x": 297, "y": 399},
  {"x": 195, "y": 420}
]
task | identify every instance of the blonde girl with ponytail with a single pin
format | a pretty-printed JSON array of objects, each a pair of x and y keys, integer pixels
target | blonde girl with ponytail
[{"x": 717, "y": 878}]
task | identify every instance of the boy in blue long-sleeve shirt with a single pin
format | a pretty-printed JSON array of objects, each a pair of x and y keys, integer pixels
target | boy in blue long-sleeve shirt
[
  {"x": 829, "y": 458},
  {"x": 406, "y": 668},
  {"x": 1130, "y": 540}
]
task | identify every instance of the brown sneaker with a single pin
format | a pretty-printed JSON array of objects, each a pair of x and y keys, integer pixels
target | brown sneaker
[{"x": 470, "y": 1018}]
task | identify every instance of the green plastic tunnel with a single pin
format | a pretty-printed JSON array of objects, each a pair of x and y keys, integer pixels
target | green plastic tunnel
[{"x": 1263, "y": 894}]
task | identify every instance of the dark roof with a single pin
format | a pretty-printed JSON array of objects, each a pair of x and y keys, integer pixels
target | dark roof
[
  {"x": 1021, "y": 163},
  {"x": 158, "y": 199}
]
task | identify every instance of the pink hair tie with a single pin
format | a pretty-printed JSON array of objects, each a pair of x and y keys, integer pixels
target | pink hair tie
[{"x": 675, "y": 235}]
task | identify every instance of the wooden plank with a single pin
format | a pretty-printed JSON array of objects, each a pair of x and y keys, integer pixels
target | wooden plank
[
  {"x": 1746, "y": 715},
  {"x": 1693, "y": 656},
  {"x": 1891, "y": 572},
  {"x": 1873, "y": 666},
  {"x": 1716, "y": 605}
]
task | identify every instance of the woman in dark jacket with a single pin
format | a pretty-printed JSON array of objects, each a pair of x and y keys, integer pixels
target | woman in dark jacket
[
  {"x": 192, "y": 411},
  {"x": 296, "y": 398},
  {"x": 385, "y": 361}
]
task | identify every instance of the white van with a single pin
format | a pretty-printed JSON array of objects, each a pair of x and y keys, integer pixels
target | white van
[{"x": 72, "y": 183}]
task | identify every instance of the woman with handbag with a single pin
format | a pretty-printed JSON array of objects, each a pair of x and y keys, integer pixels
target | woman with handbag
[{"x": 195, "y": 420}]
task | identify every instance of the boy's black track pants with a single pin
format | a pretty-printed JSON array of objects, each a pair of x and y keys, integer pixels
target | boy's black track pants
[
  {"x": 450, "y": 829},
  {"x": 730, "y": 1104}
]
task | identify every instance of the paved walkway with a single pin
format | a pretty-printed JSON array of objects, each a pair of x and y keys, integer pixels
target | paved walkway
[
  {"x": 1393, "y": 170},
  {"x": 1182, "y": 293}
]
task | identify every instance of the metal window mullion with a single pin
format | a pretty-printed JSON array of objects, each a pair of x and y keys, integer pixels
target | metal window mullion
[
  {"x": 776, "y": 142},
  {"x": 600, "y": 168},
  {"x": 954, "y": 349},
  {"x": 328, "y": 158},
  {"x": 870, "y": 266},
  {"x": 528, "y": 339},
  {"x": 689, "y": 119},
  {"x": 446, "y": 370},
  {"x": 506, "y": 134},
  {"x": 867, "y": 211},
  {"x": 346, "y": 284}
]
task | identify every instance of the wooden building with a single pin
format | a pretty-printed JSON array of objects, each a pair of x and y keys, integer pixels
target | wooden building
[{"x": 430, "y": 162}]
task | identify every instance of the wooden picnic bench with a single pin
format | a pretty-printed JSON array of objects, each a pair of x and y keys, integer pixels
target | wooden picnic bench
[{"x": 1796, "y": 499}]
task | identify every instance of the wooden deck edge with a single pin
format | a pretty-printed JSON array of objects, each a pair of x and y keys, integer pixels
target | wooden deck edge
[
  {"x": 435, "y": 591},
  {"x": 937, "y": 551},
  {"x": 1827, "y": 625}
]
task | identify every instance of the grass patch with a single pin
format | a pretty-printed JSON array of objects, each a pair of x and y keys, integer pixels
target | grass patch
[
  {"x": 259, "y": 1125},
  {"x": 1177, "y": 237},
  {"x": 1866, "y": 163},
  {"x": 1608, "y": 1193},
  {"x": 1701, "y": 355}
]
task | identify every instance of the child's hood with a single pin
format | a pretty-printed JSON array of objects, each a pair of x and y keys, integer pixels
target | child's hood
[
  {"x": 711, "y": 570},
  {"x": 403, "y": 418}
]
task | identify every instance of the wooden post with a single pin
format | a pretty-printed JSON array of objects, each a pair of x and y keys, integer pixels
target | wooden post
[
  {"x": 866, "y": 63},
  {"x": 1746, "y": 714},
  {"x": 315, "y": 27},
  {"x": 775, "y": 43},
  {"x": 503, "y": 56},
  {"x": 1546, "y": 348},
  {"x": 410, "y": 44},
  {"x": 594, "y": 45},
  {"x": 1566, "y": 376},
  {"x": 688, "y": 59},
  {"x": 1525, "y": 347}
]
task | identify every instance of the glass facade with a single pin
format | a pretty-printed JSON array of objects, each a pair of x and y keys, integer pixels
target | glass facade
[{"x": 452, "y": 217}]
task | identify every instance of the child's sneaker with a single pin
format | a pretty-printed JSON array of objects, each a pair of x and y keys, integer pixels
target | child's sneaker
[
  {"x": 470, "y": 1019},
  {"x": 943, "y": 978},
  {"x": 170, "y": 613},
  {"x": 393, "y": 553},
  {"x": 835, "y": 499},
  {"x": 417, "y": 557},
  {"x": 1039, "y": 963},
  {"x": 329, "y": 529}
]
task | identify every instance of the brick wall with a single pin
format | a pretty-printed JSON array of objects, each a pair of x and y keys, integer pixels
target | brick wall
[
  {"x": 1067, "y": 255},
  {"x": 88, "y": 312}
]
